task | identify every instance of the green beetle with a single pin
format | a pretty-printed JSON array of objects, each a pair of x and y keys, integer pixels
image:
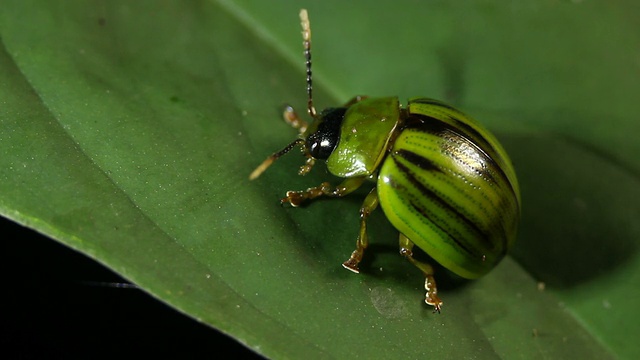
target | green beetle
[{"x": 443, "y": 181}]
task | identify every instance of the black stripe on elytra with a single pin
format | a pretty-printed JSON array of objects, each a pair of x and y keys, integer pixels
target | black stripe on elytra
[
  {"x": 434, "y": 102},
  {"x": 443, "y": 204},
  {"x": 470, "y": 131},
  {"x": 431, "y": 125},
  {"x": 459, "y": 244},
  {"x": 418, "y": 160},
  {"x": 428, "y": 165},
  {"x": 424, "y": 213},
  {"x": 424, "y": 163}
]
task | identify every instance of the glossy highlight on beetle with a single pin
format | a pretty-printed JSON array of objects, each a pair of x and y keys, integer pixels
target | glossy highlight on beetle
[{"x": 442, "y": 179}]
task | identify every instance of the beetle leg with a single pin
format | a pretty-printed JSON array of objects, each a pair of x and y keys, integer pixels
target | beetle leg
[
  {"x": 370, "y": 203},
  {"x": 291, "y": 117},
  {"x": 406, "y": 250},
  {"x": 304, "y": 169},
  {"x": 355, "y": 100},
  {"x": 296, "y": 198}
]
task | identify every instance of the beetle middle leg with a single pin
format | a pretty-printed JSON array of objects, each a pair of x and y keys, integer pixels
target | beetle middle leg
[
  {"x": 370, "y": 203},
  {"x": 406, "y": 250}
]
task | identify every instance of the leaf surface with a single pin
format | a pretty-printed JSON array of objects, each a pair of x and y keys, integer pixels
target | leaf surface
[{"x": 128, "y": 130}]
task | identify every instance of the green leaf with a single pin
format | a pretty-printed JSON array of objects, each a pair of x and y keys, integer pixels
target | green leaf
[{"x": 129, "y": 128}]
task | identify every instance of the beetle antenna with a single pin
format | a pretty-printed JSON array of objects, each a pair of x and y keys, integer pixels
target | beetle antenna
[
  {"x": 306, "y": 42},
  {"x": 268, "y": 161}
]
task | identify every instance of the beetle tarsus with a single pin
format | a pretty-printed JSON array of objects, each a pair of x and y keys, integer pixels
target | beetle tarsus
[
  {"x": 294, "y": 198},
  {"x": 297, "y": 198},
  {"x": 370, "y": 203},
  {"x": 352, "y": 263},
  {"x": 308, "y": 165},
  {"x": 432, "y": 294},
  {"x": 431, "y": 298}
]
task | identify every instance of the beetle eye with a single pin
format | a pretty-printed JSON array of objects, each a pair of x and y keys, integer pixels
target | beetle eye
[{"x": 321, "y": 143}]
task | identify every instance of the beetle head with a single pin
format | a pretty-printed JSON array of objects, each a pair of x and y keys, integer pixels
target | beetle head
[
  {"x": 324, "y": 133},
  {"x": 318, "y": 141}
]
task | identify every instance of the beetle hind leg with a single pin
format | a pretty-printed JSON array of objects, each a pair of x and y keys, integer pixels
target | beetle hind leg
[
  {"x": 370, "y": 203},
  {"x": 406, "y": 250}
]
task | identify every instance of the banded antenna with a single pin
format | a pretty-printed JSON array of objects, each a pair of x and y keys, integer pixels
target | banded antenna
[{"x": 306, "y": 42}]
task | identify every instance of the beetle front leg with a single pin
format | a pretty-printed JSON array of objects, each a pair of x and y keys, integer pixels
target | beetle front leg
[
  {"x": 406, "y": 250},
  {"x": 292, "y": 118},
  {"x": 370, "y": 203},
  {"x": 297, "y": 198}
]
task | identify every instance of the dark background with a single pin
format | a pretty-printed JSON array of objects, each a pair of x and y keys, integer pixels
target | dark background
[{"x": 57, "y": 303}]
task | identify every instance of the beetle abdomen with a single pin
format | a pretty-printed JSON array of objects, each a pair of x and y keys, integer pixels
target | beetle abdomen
[{"x": 449, "y": 186}]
